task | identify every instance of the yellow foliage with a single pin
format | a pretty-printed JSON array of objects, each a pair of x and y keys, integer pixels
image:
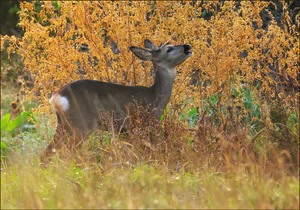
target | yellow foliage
[{"x": 228, "y": 50}]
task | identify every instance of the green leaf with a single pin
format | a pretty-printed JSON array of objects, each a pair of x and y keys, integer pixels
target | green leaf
[
  {"x": 3, "y": 146},
  {"x": 13, "y": 124},
  {"x": 5, "y": 121},
  {"x": 23, "y": 118}
]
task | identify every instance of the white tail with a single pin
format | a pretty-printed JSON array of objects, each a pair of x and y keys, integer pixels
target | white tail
[{"x": 83, "y": 106}]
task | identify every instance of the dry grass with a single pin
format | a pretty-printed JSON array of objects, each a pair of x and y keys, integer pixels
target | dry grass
[
  {"x": 66, "y": 185},
  {"x": 164, "y": 165}
]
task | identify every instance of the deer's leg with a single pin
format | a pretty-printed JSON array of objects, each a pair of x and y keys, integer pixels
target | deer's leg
[
  {"x": 68, "y": 136},
  {"x": 54, "y": 145},
  {"x": 61, "y": 135}
]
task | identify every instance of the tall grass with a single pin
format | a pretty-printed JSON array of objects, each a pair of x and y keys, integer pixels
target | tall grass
[
  {"x": 65, "y": 185},
  {"x": 174, "y": 166}
]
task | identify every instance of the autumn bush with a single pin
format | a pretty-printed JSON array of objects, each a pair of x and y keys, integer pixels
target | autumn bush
[{"x": 246, "y": 62}]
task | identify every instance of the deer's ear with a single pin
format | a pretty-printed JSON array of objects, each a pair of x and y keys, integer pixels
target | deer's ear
[
  {"x": 148, "y": 44},
  {"x": 144, "y": 54}
]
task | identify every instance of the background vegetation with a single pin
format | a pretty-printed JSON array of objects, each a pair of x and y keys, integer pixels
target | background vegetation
[{"x": 229, "y": 138}]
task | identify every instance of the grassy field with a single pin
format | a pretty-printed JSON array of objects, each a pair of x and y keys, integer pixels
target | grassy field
[
  {"x": 25, "y": 185},
  {"x": 181, "y": 170}
]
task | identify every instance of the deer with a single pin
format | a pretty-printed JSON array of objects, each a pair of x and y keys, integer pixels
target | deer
[{"x": 82, "y": 106}]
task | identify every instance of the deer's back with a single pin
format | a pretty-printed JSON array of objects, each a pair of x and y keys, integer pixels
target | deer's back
[{"x": 86, "y": 104}]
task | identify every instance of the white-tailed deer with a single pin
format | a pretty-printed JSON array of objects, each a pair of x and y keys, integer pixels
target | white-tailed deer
[{"x": 82, "y": 106}]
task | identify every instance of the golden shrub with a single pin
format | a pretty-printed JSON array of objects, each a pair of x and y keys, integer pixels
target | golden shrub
[{"x": 228, "y": 50}]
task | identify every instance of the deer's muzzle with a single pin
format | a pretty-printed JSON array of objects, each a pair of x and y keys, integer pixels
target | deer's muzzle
[{"x": 187, "y": 48}]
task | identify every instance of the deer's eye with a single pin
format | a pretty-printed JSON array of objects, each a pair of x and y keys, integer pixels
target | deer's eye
[{"x": 170, "y": 49}]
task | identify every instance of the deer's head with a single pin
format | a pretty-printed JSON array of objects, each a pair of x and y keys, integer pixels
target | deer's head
[{"x": 166, "y": 56}]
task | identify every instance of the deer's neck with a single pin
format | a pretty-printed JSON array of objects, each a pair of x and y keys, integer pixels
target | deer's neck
[{"x": 162, "y": 87}]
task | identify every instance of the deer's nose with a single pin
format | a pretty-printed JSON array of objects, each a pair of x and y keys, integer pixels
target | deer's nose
[{"x": 187, "y": 47}]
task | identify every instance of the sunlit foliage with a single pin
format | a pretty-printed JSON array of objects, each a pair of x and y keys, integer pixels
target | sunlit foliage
[{"x": 232, "y": 49}]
